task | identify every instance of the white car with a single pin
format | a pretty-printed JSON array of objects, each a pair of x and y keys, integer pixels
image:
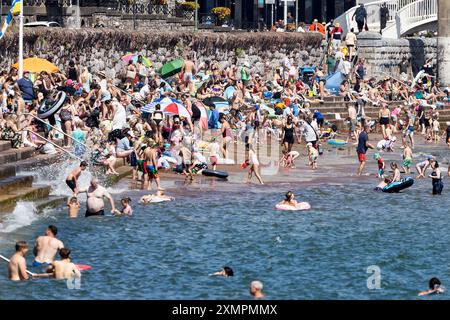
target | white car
[{"x": 45, "y": 24}]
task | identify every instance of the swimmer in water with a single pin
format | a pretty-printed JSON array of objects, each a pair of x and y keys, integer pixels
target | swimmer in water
[
  {"x": 74, "y": 206},
  {"x": 158, "y": 197},
  {"x": 126, "y": 208},
  {"x": 64, "y": 268},
  {"x": 225, "y": 272},
  {"x": 435, "y": 287},
  {"x": 256, "y": 289},
  {"x": 289, "y": 200}
]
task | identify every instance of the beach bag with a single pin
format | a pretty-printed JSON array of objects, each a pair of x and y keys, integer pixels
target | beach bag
[{"x": 366, "y": 27}]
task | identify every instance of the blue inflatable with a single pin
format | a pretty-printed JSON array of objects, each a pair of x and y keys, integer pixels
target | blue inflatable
[
  {"x": 228, "y": 93},
  {"x": 337, "y": 142},
  {"x": 333, "y": 82},
  {"x": 398, "y": 186}
]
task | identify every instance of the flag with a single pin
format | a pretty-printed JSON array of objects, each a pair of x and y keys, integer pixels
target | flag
[{"x": 15, "y": 9}]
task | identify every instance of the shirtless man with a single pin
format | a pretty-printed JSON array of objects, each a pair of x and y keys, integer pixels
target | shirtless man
[
  {"x": 188, "y": 69},
  {"x": 64, "y": 269},
  {"x": 95, "y": 204},
  {"x": 47, "y": 247},
  {"x": 407, "y": 158},
  {"x": 72, "y": 178},
  {"x": 151, "y": 168},
  {"x": 17, "y": 267}
]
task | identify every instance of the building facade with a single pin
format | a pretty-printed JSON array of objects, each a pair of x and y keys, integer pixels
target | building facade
[{"x": 251, "y": 13}]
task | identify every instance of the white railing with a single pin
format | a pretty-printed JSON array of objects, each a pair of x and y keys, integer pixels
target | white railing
[
  {"x": 415, "y": 14},
  {"x": 373, "y": 14}
]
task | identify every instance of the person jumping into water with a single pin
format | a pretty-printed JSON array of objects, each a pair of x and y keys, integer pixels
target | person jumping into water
[{"x": 72, "y": 178}]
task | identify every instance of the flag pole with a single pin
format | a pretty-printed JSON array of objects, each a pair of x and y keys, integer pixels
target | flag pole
[{"x": 21, "y": 40}]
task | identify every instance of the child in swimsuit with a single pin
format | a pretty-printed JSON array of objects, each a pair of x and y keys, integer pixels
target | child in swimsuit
[
  {"x": 289, "y": 200},
  {"x": 74, "y": 207},
  {"x": 126, "y": 208}
]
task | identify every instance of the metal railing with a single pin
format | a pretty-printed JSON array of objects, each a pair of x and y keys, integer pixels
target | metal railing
[
  {"x": 54, "y": 144},
  {"x": 413, "y": 15},
  {"x": 60, "y": 131},
  {"x": 373, "y": 14}
]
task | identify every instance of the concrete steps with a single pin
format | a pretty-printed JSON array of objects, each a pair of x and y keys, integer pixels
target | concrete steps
[{"x": 14, "y": 188}]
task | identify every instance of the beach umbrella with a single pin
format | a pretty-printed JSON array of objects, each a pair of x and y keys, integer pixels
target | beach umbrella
[
  {"x": 37, "y": 65},
  {"x": 220, "y": 103},
  {"x": 171, "y": 68},
  {"x": 134, "y": 57},
  {"x": 169, "y": 106}
]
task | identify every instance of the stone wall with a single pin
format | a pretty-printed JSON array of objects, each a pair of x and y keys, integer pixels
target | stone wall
[
  {"x": 384, "y": 55},
  {"x": 101, "y": 49}
]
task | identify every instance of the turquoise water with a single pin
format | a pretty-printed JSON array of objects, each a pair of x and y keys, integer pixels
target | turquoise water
[{"x": 166, "y": 251}]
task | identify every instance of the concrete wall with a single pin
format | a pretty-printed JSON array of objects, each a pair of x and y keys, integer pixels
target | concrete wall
[
  {"x": 444, "y": 41},
  {"x": 101, "y": 49},
  {"x": 384, "y": 55}
]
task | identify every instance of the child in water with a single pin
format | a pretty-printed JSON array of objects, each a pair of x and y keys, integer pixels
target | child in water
[
  {"x": 74, "y": 207},
  {"x": 313, "y": 154},
  {"x": 289, "y": 200},
  {"x": 225, "y": 272},
  {"x": 435, "y": 287},
  {"x": 126, "y": 208},
  {"x": 158, "y": 197},
  {"x": 381, "y": 165}
]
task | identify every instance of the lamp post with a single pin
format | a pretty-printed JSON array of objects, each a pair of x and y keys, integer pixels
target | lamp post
[
  {"x": 134, "y": 15},
  {"x": 196, "y": 15},
  {"x": 443, "y": 43}
]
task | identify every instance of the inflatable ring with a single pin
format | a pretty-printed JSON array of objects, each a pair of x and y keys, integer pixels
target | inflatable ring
[
  {"x": 215, "y": 173},
  {"x": 397, "y": 186},
  {"x": 46, "y": 110},
  {"x": 298, "y": 207}
]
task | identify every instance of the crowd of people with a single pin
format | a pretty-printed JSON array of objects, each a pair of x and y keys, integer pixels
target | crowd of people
[{"x": 212, "y": 107}]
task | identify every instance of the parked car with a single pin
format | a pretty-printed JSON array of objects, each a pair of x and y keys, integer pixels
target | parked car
[{"x": 45, "y": 24}]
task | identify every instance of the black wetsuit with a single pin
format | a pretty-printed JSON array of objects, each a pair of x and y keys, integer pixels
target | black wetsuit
[{"x": 438, "y": 185}]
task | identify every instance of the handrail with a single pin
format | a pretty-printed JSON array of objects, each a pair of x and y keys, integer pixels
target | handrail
[
  {"x": 414, "y": 14},
  {"x": 60, "y": 131},
  {"x": 373, "y": 14},
  {"x": 54, "y": 144}
]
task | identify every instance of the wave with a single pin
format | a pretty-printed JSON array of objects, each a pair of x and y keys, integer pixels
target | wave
[{"x": 23, "y": 215}]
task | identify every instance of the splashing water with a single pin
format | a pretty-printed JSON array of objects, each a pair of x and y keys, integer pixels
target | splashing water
[
  {"x": 23, "y": 215},
  {"x": 54, "y": 175}
]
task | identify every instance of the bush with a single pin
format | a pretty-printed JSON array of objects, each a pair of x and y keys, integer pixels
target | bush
[
  {"x": 221, "y": 13},
  {"x": 189, "y": 6}
]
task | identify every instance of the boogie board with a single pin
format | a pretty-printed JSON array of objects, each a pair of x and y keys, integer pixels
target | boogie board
[
  {"x": 46, "y": 110},
  {"x": 337, "y": 142},
  {"x": 215, "y": 173},
  {"x": 83, "y": 267}
]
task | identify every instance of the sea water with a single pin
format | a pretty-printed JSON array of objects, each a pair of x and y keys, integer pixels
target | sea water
[{"x": 167, "y": 250}]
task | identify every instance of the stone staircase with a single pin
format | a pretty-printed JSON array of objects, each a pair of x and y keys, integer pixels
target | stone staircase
[
  {"x": 15, "y": 187},
  {"x": 336, "y": 105}
]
